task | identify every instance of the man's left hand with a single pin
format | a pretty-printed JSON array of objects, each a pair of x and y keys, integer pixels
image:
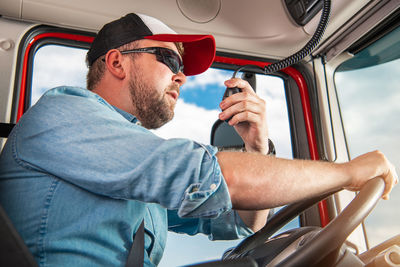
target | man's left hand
[{"x": 248, "y": 116}]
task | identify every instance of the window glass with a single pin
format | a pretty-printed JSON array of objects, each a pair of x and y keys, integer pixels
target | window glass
[
  {"x": 56, "y": 65},
  {"x": 198, "y": 108},
  {"x": 196, "y": 111},
  {"x": 367, "y": 87}
]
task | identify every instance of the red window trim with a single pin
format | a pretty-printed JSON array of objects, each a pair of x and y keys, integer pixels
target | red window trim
[
  {"x": 305, "y": 101},
  {"x": 292, "y": 72},
  {"x": 25, "y": 64}
]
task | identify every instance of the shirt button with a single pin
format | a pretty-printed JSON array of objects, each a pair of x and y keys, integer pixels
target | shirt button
[{"x": 213, "y": 186}]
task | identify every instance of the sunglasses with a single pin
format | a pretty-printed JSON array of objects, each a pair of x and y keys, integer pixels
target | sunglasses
[{"x": 164, "y": 55}]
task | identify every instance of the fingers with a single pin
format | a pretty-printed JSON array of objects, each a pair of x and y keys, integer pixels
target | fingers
[
  {"x": 388, "y": 173},
  {"x": 244, "y": 106},
  {"x": 246, "y": 112},
  {"x": 242, "y": 84},
  {"x": 391, "y": 179},
  {"x": 371, "y": 165}
]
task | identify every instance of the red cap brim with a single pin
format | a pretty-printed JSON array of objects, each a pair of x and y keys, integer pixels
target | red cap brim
[{"x": 199, "y": 50}]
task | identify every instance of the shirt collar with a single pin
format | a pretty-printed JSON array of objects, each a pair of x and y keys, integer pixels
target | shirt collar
[{"x": 127, "y": 115}]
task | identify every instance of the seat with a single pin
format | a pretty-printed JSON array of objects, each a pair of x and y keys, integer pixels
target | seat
[
  {"x": 5, "y": 129},
  {"x": 13, "y": 251}
]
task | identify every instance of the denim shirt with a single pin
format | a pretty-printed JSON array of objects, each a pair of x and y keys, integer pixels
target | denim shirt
[{"x": 77, "y": 177}]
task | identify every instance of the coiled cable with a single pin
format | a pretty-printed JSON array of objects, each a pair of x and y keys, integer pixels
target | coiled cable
[{"x": 302, "y": 53}]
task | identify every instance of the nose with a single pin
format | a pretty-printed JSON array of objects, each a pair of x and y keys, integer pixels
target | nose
[{"x": 179, "y": 78}]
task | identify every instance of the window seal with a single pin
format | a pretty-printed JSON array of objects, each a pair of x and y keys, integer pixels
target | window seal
[{"x": 31, "y": 42}]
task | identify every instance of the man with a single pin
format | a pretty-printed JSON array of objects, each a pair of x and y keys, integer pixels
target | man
[{"x": 81, "y": 170}]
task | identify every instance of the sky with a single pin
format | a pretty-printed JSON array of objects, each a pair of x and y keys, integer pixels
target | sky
[
  {"x": 197, "y": 110},
  {"x": 373, "y": 122}
]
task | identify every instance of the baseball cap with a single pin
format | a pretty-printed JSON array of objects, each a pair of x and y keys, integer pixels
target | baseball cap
[{"x": 199, "y": 50}]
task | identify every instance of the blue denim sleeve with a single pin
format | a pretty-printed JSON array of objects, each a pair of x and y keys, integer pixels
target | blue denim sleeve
[
  {"x": 75, "y": 135},
  {"x": 227, "y": 226}
]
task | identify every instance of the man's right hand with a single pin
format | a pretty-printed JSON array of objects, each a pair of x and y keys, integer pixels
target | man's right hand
[{"x": 371, "y": 165}]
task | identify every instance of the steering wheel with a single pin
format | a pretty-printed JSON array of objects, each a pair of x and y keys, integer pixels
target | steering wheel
[{"x": 319, "y": 243}]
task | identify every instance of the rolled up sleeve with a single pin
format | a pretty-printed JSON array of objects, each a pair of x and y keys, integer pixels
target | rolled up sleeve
[
  {"x": 227, "y": 226},
  {"x": 210, "y": 197}
]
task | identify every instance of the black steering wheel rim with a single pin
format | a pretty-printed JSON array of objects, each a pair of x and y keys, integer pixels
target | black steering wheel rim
[{"x": 325, "y": 241}]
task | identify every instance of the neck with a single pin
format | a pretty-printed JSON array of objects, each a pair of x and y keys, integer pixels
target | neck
[{"x": 116, "y": 95}]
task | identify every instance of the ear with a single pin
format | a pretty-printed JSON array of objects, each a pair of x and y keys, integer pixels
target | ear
[{"x": 113, "y": 61}]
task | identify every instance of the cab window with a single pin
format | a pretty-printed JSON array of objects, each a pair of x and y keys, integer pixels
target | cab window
[
  {"x": 196, "y": 112},
  {"x": 369, "y": 97}
]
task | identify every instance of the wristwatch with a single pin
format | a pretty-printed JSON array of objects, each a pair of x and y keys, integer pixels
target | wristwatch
[{"x": 271, "y": 148}]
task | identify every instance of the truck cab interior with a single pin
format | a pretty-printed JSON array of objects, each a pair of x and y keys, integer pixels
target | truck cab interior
[{"x": 327, "y": 69}]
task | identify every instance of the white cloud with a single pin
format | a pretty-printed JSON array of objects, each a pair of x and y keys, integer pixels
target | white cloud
[
  {"x": 56, "y": 66},
  {"x": 210, "y": 77},
  {"x": 270, "y": 86},
  {"x": 190, "y": 122}
]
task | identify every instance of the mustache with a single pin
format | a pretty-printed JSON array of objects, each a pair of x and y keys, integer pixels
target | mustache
[{"x": 173, "y": 87}]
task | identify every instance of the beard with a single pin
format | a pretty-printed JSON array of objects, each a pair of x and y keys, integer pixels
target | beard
[{"x": 152, "y": 108}]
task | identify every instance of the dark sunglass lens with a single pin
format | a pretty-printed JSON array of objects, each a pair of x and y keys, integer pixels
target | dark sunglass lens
[
  {"x": 172, "y": 60},
  {"x": 173, "y": 64}
]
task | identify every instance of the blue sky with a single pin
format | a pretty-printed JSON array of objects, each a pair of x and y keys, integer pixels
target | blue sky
[
  {"x": 209, "y": 99},
  {"x": 197, "y": 110}
]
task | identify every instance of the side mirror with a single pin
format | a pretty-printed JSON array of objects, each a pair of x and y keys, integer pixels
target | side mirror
[{"x": 224, "y": 136}]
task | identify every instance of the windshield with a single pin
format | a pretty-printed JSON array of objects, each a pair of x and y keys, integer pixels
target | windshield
[{"x": 368, "y": 89}]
